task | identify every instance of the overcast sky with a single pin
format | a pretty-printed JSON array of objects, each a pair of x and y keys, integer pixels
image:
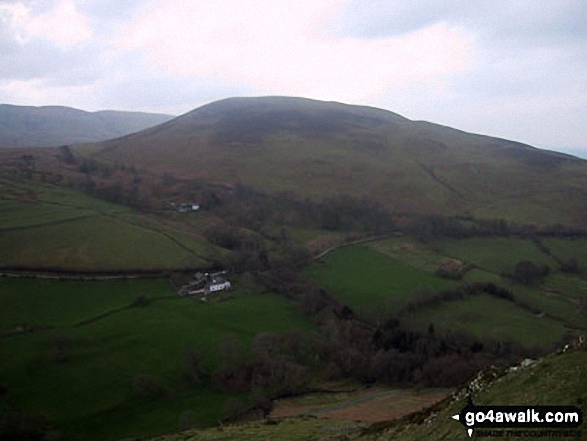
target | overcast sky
[{"x": 510, "y": 68}]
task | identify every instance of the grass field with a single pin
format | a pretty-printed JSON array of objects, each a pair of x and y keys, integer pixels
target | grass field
[
  {"x": 93, "y": 243},
  {"x": 491, "y": 318},
  {"x": 570, "y": 248},
  {"x": 558, "y": 295},
  {"x": 22, "y": 215},
  {"x": 367, "y": 280},
  {"x": 410, "y": 251},
  {"x": 89, "y": 395},
  {"x": 40, "y": 303},
  {"x": 43, "y": 226},
  {"x": 497, "y": 254},
  {"x": 383, "y": 275}
]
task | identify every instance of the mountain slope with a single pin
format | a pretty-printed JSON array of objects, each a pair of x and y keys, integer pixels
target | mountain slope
[
  {"x": 317, "y": 148},
  {"x": 24, "y": 126}
]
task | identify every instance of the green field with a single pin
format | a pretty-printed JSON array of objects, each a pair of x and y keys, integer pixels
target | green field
[
  {"x": 43, "y": 226},
  {"x": 569, "y": 248},
  {"x": 94, "y": 243},
  {"x": 367, "y": 280},
  {"x": 558, "y": 295},
  {"x": 384, "y": 275},
  {"x": 493, "y": 319},
  {"x": 39, "y": 302},
  {"x": 14, "y": 215},
  {"x": 89, "y": 395},
  {"x": 410, "y": 251},
  {"x": 496, "y": 254}
]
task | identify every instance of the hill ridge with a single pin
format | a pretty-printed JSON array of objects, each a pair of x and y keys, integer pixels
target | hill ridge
[
  {"x": 44, "y": 126},
  {"x": 315, "y": 148}
]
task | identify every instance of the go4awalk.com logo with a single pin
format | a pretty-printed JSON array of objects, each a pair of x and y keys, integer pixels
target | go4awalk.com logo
[{"x": 521, "y": 421}]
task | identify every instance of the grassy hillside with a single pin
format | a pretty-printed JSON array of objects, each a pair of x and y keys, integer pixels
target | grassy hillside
[
  {"x": 316, "y": 148},
  {"x": 555, "y": 380},
  {"x": 559, "y": 379},
  {"x": 24, "y": 126},
  {"x": 87, "y": 343}
]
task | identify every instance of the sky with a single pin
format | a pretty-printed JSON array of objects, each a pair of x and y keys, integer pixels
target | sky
[{"x": 512, "y": 69}]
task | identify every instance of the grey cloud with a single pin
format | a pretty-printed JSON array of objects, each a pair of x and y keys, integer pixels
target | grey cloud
[
  {"x": 530, "y": 21},
  {"x": 383, "y": 18},
  {"x": 112, "y": 9},
  {"x": 523, "y": 48},
  {"x": 24, "y": 57},
  {"x": 40, "y": 59},
  {"x": 107, "y": 15},
  {"x": 141, "y": 88},
  {"x": 36, "y": 6}
]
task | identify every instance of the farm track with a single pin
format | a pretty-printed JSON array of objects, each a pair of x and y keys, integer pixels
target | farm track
[{"x": 356, "y": 242}]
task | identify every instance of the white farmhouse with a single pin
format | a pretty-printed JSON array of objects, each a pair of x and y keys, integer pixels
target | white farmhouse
[{"x": 222, "y": 286}]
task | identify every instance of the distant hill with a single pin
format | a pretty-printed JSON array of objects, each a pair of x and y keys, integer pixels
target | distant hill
[
  {"x": 25, "y": 126},
  {"x": 315, "y": 148}
]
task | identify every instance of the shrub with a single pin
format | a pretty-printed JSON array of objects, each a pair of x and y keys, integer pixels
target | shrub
[{"x": 528, "y": 273}]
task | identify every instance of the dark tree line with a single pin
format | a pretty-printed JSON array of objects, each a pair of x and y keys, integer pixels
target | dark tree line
[
  {"x": 428, "y": 298},
  {"x": 258, "y": 211},
  {"x": 429, "y": 227}
]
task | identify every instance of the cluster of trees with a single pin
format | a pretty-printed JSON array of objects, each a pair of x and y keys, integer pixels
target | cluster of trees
[
  {"x": 114, "y": 191},
  {"x": 529, "y": 273},
  {"x": 427, "y": 298},
  {"x": 258, "y": 211},
  {"x": 429, "y": 227},
  {"x": 27, "y": 166}
]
